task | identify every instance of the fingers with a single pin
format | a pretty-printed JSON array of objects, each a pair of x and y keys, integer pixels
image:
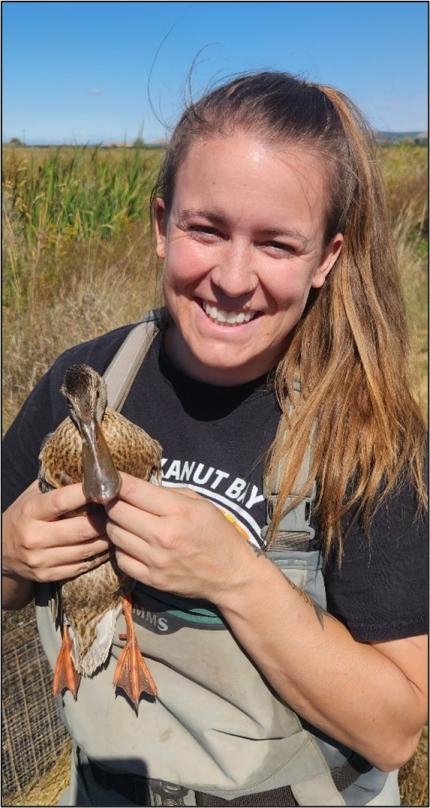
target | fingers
[
  {"x": 151, "y": 512},
  {"x": 49, "y": 531},
  {"x": 40, "y": 544},
  {"x": 157, "y": 522},
  {"x": 136, "y": 569},
  {"x": 67, "y": 571},
  {"x": 128, "y": 541},
  {"x": 133, "y": 520},
  {"x": 81, "y": 553},
  {"x": 72, "y": 531},
  {"x": 53, "y": 504},
  {"x": 65, "y": 562},
  {"x": 53, "y": 565},
  {"x": 136, "y": 556},
  {"x": 155, "y": 499}
]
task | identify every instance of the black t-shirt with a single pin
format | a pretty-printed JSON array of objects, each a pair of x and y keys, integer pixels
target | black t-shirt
[{"x": 215, "y": 440}]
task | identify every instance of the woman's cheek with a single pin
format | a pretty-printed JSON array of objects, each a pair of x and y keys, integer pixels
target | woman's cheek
[
  {"x": 185, "y": 263},
  {"x": 288, "y": 286}
]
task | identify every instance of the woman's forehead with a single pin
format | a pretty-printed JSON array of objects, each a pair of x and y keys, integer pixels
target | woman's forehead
[{"x": 240, "y": 172}]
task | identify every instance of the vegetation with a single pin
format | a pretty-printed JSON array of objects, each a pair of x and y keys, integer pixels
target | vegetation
[
  {"x": 76, "y": 252},
  {"x": 77, "y": 262},
  {"x": 48, "y": 789},
  {"x": 54, "y": 199}
]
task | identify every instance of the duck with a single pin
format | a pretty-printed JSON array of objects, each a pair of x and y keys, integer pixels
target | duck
[{"x": 92, "y": 445}]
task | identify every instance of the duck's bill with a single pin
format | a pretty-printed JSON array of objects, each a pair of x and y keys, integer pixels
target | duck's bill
[{"x": 101, "y": 480}]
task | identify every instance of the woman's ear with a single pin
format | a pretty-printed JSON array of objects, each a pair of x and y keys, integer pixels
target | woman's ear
[
  {"x": 160, "y": 220},
  {"x": 330, "y": 255}
]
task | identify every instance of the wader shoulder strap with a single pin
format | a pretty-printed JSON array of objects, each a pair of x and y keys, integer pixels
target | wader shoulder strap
[
  {"x": 294, "y": 531},
  {"x": 124, "y": 366}
]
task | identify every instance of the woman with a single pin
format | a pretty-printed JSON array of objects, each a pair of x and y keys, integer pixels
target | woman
[{"x": 280, "y": 362}]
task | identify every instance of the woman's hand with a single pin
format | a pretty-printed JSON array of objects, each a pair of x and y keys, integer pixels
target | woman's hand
[
  {"x": 40, "y": 544},
  {"x": 175, "y": 540}
]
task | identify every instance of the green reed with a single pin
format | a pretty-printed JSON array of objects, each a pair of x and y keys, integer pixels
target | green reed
[
  {"x": 54, "y": 198},
  {"x": 76, "y": 193}
]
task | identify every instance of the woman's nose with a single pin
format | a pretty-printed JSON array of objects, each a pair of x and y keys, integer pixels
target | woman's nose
[{"x": 233, "y": 272}]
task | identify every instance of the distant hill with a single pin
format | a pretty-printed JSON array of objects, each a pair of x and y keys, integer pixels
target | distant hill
[
  {"x": 420, "y": 138},
  {"x": 396, "y": 137}
]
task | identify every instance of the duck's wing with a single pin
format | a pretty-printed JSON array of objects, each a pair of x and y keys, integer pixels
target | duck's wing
[
  {"x": 44, "y": 485},
  {"x": 60, "y": 457},
  {"x": 132, "y": 449},
  {"x": 53, "y": 472}
]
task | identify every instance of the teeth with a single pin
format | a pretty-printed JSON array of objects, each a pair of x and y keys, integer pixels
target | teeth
[{"x": 227, "y": 317}]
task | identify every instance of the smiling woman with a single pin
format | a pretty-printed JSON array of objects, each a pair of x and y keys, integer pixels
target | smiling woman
[
  {"x": 248, "y": 259},
  {"x": 291, "y": 666}
]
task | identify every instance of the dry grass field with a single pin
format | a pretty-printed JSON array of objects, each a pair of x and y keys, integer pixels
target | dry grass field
[{"x": 77, "y": 261}]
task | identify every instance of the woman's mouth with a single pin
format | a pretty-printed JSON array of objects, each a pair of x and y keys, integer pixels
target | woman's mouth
[{"x": 226, "y": 318}]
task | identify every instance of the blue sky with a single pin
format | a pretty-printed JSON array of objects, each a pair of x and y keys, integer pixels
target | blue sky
[{"x": 79, "y": 72}]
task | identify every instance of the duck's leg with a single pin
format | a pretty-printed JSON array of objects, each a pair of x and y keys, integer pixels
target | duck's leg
[
  {"x": 65, "y": 675},
  {"x": 131, "y": 673}
]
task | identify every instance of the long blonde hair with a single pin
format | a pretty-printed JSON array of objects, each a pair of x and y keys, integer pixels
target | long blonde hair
[{"x": 349, "y": 350}]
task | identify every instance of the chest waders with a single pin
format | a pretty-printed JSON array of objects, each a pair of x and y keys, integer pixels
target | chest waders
[{"x": 309, "y": 769}]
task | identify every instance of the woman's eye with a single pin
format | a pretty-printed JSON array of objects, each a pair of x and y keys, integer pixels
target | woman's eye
[
  {"x": 204, "y": 228},
  {"x": 281, "y": 247},
  {"x": 204, "y": 232}
]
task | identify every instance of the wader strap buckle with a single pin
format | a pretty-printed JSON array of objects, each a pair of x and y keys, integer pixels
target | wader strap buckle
[{"x": 166, "y": 794}]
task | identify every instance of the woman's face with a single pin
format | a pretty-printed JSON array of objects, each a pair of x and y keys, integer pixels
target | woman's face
[{"x": 242, "y": 247}]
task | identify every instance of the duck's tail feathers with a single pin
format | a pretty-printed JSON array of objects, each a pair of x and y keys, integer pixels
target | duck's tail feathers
[{"x": 98, "y": 652}]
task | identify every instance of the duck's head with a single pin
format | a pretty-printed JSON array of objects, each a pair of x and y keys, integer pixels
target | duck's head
[{"x": 85, "y": 392}]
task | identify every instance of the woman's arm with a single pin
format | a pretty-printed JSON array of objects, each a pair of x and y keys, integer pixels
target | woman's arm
[{"x": 370, "y": 698}]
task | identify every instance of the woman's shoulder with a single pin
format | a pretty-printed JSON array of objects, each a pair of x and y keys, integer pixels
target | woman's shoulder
[
  {"x": 96, "y": 352},
  {"x": 99, "y": 351},
  {"x": 380, "y": 587}
]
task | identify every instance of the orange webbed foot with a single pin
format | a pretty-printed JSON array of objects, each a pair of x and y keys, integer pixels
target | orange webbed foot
[
  {"x": 65, "y": 675},
  {"x": 132, "y": 674}
]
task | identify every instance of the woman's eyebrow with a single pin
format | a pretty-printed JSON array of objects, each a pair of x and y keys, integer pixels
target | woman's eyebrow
[{"x": 213, "y": 215}]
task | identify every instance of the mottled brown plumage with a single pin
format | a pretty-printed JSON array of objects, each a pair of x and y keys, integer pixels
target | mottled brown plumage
[
  {"x": 91, "y": 445},
  {"x": 131, "y": 448}
]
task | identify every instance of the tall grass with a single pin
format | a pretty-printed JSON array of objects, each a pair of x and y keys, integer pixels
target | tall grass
[
  {"x": 55, "y": 198},
  {"x": 76, "y": 253},
  {"x": 405, "y": 169},
  {"x": 77, "y": 262},
  {"x": 77, "y": 192}
]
